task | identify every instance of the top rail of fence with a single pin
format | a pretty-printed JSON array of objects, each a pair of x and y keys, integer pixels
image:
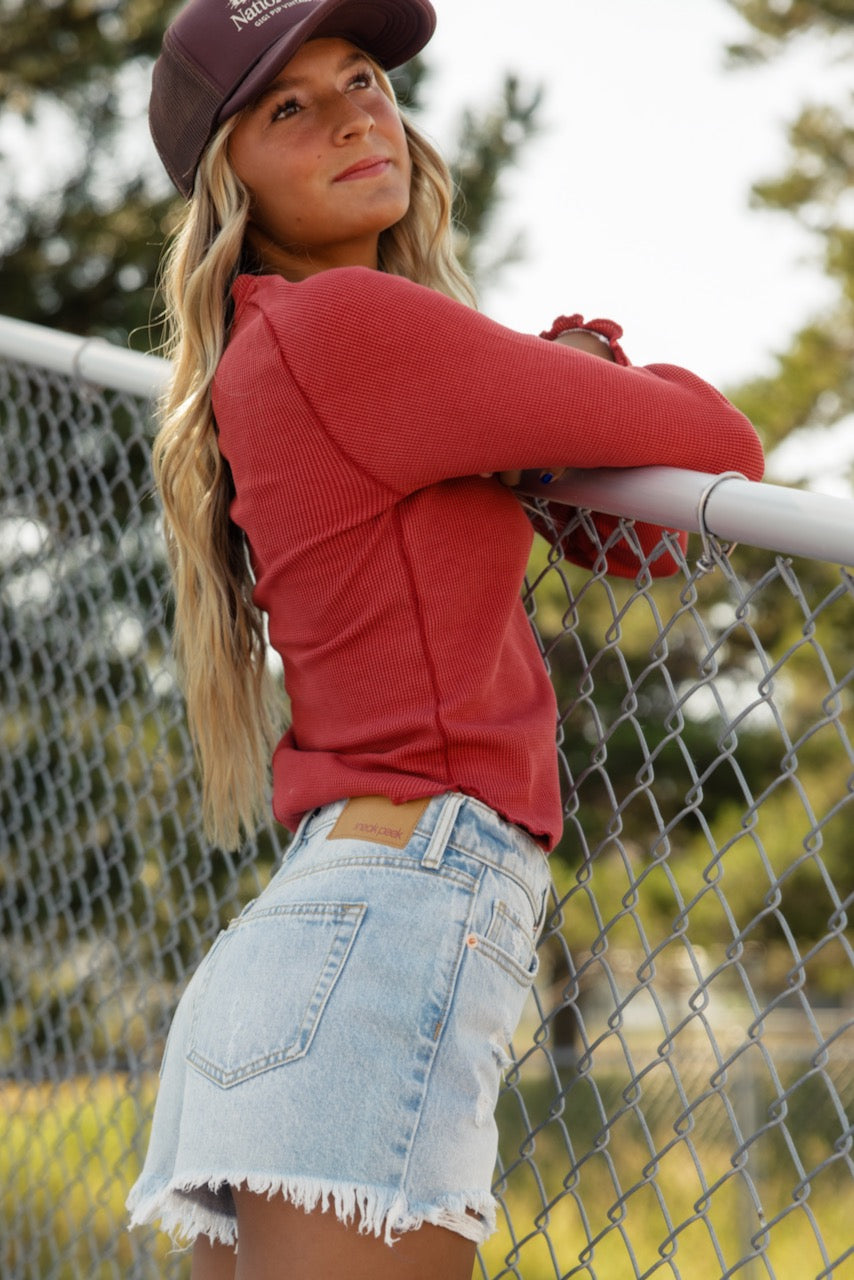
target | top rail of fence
[
  {"x": 775, "y": 517},
  {"x": 730, "y": 508},
  {"x": 88, "y": 359}
]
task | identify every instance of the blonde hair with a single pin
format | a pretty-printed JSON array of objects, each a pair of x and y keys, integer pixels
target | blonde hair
[{"x": 234, "y": 712}]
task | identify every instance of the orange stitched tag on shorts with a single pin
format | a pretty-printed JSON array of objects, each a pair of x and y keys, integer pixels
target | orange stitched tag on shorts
[{"x": 378, "y": 820}]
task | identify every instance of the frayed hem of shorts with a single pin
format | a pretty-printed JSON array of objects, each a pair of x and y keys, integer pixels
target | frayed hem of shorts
[{"x": 380, "y": 1210}]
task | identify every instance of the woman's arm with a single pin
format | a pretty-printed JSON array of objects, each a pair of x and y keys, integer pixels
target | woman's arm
[
  {"x": 601, "y": 339},
  {"x": 581, "y": 339},
  {"x": 417, "y": 388}
]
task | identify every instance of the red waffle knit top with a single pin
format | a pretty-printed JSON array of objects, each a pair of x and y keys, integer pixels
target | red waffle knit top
[{"x": 356, "y": 411}]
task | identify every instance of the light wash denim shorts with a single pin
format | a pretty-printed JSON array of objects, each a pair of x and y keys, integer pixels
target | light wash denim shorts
[{"x": 343, "y": 1041}]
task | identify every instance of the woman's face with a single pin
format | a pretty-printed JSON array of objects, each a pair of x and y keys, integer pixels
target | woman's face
[{"x": 324, "y": 156}]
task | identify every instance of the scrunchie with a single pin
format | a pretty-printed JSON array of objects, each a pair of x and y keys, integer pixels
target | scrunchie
[{"x": 607, "y": 329}]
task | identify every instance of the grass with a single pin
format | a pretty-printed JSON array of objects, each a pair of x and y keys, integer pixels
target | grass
[
  {"x": 67, "y": 1159},
  {"x": 69, "y": 1152},
  {"x": 617, "y": 1212}
]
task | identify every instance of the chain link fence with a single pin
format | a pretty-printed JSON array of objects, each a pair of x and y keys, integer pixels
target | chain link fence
[{"x": 681, "y": 1094}]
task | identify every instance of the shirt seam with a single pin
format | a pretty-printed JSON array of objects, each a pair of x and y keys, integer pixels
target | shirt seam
[
  {"x": 429, "y": 663},
  {"x": 318, "y": 417}
]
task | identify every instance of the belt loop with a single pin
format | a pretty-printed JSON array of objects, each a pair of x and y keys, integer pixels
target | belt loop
[
  {"x": 300, "y": 831},
  {"x": 442, "y": 830}
]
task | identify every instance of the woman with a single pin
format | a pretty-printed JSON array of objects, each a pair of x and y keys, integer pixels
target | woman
[{"x": 331, "y": 457}]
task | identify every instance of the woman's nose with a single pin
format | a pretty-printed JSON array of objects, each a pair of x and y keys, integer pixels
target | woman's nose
[{"x": 352, "y": 120}]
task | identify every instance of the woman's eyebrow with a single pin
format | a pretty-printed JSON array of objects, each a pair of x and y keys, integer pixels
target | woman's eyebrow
[{"x": 282, "y": 83}]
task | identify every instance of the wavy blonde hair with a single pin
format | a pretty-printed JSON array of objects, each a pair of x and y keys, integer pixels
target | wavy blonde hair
[{"x": 234, "y": 711}]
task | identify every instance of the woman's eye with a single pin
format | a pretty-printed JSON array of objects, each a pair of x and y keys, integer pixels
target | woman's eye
[
  {"x": 289, "y": 107},
  {"x": 362, "y": 79}
]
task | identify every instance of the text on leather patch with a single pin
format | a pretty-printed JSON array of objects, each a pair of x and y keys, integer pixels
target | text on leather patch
[{"x": 379, "y": 820}]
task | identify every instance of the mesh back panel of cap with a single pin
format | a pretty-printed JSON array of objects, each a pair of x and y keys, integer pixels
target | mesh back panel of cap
[{"x": 182, "y": 114}]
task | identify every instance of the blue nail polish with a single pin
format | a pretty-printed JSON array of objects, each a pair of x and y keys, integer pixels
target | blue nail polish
[{"x": 547, "y": 477}]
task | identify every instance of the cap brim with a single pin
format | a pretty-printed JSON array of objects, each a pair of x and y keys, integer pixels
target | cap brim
[{"x": 391, "y": 31}]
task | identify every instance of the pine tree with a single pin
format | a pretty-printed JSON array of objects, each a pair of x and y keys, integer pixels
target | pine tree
[
  {"x": 79, "y": 254},
  {"x": 811, "y": 388},
  {"x": 813, "y": 383}
]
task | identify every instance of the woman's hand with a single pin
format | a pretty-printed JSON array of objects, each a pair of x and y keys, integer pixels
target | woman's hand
[{"x": 581, "y": 340}]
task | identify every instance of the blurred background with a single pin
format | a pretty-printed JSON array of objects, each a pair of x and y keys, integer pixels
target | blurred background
[{"x": 687, "y": 170}]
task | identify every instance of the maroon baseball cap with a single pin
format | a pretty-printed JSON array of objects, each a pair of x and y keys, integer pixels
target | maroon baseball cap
[{"x": 218, "y": 55}]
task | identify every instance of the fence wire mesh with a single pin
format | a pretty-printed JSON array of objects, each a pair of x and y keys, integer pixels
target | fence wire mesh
[{"x": 681, "y": 1093}]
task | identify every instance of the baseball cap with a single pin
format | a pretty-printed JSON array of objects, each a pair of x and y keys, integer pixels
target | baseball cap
[{"x": 218, "y": 55}]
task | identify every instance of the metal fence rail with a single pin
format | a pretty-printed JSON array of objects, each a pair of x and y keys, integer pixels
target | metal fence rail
[{"x": 681, "y": 1095}]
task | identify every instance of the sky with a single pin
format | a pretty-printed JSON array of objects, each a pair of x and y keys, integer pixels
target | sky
[{"x": 634, "y": 201}]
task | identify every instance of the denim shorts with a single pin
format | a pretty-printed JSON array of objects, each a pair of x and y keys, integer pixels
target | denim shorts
[{"x": 342, "y": 1043}]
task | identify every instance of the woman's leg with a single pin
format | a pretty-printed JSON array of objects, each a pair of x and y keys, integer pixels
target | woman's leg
[
  {"x": 212, "y": 1261},
  {"x": 281, "y": 1242}
]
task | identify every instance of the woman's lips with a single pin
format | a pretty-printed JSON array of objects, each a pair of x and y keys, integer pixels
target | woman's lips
[{"x": 370, "y": 168}]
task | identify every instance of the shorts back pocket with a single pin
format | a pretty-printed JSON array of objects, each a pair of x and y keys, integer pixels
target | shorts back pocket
[{"x": 264, "y": 986}]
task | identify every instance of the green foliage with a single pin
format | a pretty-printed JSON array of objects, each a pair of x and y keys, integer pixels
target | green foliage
[
  {"x": 811, "y": 387},
  {"x": 812, "y": 384},
  {"x": 72, "y": 49},
  {"x": 85, "y": 274},
  {"x": 489, "y": 146},
  {"x": 81, "y": 256},
  {"x": 775, "y": 22}
]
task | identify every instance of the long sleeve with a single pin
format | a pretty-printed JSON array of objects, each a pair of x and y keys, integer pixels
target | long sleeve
[
  {"x": 356, "y": 411},
  {"x": 416, "y": 388}
]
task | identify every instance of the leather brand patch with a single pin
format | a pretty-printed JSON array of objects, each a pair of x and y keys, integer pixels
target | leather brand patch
[{"x": 378, "y": 820}]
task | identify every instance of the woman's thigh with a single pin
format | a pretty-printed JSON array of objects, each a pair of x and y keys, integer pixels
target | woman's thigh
[
  {"x": 279, "y": 1241},
  {"x": 212, "y": 1261}
]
